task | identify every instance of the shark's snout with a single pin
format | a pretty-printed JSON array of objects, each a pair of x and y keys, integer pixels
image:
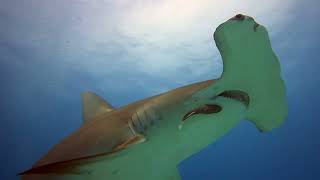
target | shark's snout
[{"x": 241, "y": 17}]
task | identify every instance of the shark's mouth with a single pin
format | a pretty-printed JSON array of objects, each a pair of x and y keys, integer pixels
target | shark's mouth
[
  {"x": 214, "y": 108},
  {"x": 206, "y": 109}
]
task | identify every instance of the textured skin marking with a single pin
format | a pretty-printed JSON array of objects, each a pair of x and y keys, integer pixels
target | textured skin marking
[
  {"x": 136, "y": 124},
  {"x": 144, "y": 118}
]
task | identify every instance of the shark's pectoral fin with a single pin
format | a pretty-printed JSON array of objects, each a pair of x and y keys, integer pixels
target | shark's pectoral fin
[
  {"x": 131, "y": 141},
  {"x": 72, "y": 166},
  {"x": 93, "y": 105}
]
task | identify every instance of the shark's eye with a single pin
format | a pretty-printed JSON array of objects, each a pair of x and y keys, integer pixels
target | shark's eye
[{"x": 238, "y": 17}]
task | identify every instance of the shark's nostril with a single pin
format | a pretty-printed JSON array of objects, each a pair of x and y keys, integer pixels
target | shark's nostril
[{"x": 255, "y": 26}]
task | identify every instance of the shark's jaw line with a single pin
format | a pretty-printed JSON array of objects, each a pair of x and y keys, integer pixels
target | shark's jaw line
[{"x": 236, "y": 95}]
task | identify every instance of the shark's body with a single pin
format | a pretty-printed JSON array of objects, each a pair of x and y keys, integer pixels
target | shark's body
[
  {"x": 147, "y": 139},
  {"x": 155, "y": 126}
]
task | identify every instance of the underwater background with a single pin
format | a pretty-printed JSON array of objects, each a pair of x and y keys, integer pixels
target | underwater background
[{"x": 51, "y": 51}]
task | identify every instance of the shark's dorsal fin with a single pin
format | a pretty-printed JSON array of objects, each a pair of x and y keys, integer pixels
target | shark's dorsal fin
[{"x": 93, "y": 105}]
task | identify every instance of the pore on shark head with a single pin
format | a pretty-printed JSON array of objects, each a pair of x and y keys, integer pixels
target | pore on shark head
[{"x": 251, "y": 76}]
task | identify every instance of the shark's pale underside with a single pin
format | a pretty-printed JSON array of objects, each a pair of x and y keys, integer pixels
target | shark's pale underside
[{"x": 148, "y": 138}]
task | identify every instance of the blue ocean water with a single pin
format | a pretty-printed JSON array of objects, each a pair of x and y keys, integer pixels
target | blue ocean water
[{"x": 40, "y": 103}]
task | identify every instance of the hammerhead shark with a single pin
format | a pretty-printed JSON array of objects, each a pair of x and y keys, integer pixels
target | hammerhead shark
[{"x": 149, "y": 138}]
